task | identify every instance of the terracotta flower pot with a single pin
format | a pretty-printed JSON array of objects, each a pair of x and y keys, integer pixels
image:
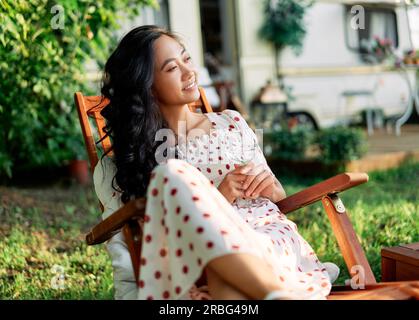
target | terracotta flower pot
[
  {"x": 79, "y": 170},
  {"x": 408, "y": 61}
]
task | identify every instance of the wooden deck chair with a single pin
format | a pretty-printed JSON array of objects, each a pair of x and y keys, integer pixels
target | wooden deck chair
[{"x": 127, "y": 218}]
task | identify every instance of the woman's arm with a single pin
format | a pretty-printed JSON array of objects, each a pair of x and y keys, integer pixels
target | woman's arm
[
  {"x": 279, "y": 192},
  {"x": 270, "y": 186}
]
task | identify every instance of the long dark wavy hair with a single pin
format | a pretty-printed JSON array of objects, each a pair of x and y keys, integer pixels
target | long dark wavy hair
[{"x": 133, "y": 116}]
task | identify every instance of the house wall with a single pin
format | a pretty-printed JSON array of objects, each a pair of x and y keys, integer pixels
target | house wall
[
  {"x": 256, "y": 64},
  {"x": 185, "y": 20}
]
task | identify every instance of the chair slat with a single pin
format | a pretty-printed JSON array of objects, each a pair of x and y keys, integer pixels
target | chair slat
[
  {"x": 83, "y": 104},
  {"x": 316, "y": 192},
  {"x": 91, "y": 106},
  {"x": 100, "y": 124}
]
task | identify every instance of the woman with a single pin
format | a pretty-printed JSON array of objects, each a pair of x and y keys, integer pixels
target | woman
[{"x": 209, "y": 215}]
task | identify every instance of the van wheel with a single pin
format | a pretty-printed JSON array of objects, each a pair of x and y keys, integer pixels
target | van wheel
[{"x": 302, "y": 120}]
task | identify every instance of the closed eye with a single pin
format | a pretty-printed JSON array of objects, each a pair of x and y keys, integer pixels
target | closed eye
[{"x": 189, "y": 58}]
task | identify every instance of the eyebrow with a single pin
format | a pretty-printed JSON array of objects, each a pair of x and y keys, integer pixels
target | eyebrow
[{"x": 170, "y": 59}]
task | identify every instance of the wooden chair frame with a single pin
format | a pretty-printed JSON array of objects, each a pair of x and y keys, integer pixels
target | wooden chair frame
[{"x": 128, "y": 218}]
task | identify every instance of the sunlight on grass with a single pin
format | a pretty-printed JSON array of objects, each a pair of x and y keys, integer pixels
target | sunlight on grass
[
  {"x": 27, "y": 258},
  {"x": 384, "y": 213},
  {"x": 37, "y": 237},
  {"x": 35, "y": 240}
]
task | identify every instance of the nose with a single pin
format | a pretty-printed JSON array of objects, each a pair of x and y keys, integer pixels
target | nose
[
  {"x": 189, "y": 76},
  {"x": 188, "y": 72}
]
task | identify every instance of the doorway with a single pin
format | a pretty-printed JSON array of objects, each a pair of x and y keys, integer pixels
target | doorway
[{"x": 219, "y": 40}]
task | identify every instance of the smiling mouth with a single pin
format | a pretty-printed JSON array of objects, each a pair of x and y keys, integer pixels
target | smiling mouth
[{"x": 190, "y": 85}]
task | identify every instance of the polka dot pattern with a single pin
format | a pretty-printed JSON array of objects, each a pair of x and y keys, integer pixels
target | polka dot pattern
[{"x": 188, "y": 223}]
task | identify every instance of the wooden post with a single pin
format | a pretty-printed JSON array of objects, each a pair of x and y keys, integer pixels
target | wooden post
[{"x": 348, "y": 242}]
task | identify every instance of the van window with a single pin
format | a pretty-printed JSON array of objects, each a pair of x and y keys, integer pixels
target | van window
[{"x": 379, "y": 22}]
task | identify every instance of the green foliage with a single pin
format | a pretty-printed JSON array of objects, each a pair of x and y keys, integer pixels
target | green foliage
[
  {"x": 289, "y": 145},
  {"x": 384, "y": 213},
  {"x": 42, "y": 228},
  {"x": 335, "y": 145},
  {"x": 29, "y": 267},
  {"x": 341, "y": 144},
  {"x": 283, "y": 24},
  {"x": 44, "y": 47}
]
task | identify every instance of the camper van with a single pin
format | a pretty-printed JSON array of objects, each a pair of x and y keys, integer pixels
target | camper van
[{"x": 335, "y": 80}]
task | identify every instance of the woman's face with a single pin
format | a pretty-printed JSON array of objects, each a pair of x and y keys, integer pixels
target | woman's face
[{"x": 175, "y": 76}]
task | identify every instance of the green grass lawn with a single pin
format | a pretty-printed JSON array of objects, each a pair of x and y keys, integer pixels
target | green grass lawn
[{"x": 44, "y": 227}]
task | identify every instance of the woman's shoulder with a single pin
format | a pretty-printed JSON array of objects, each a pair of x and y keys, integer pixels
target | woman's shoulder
[
  {"x": 103, "y": 174},
  {"x": 103, "y": 166},
  {"x": 229, "y": 115}
]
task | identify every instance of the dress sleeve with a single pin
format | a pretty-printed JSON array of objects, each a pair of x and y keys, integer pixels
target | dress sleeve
[
  {"x": 248, "y": 136},
  {"x": 125, "y": 286},
  {"x": 102, "y": 182}
]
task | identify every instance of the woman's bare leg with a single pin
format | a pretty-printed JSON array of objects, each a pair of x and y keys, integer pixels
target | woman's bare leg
[
  {"x": 221, "y": 290},
  {"x": 248, "y": 275}
]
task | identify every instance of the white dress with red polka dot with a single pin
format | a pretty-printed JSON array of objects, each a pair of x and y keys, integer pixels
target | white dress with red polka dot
[{"x": 189, "y": 222}]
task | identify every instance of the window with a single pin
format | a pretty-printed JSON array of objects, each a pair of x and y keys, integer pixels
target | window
[{"x": 379, "y": 22}]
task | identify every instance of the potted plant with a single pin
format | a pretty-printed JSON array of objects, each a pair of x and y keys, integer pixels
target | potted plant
[
  {"x": 411, "y": 57},
  {"x": 377, "y": 50},
  {"x": 78, "y": 166}
]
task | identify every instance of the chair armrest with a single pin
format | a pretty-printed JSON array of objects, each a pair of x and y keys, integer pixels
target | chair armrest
[
  {"x": 316, "y": 192},
  {"x": 105, "y": 229}
]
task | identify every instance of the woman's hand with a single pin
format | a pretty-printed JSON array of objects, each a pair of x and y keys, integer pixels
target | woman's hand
[
  {"x": 232, "y": 185},
  {"x": 260, "y": 182}
]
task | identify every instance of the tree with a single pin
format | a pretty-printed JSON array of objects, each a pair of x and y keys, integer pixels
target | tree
[
  {"x": 43, "y": 50},
  {"x": 284, "y": 25}
]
